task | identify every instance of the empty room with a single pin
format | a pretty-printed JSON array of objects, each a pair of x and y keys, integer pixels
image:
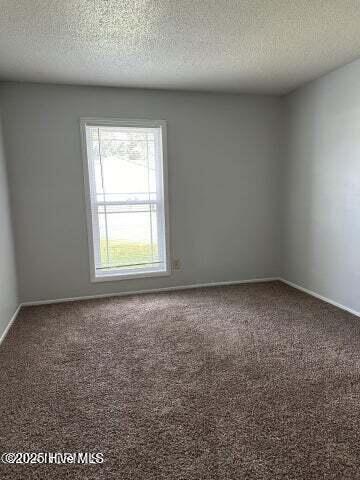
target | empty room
[{"x": 180, "y": 239}]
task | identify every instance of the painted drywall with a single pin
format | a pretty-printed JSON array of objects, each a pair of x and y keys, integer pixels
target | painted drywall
[
  {"x": 224, "y": 171},
  {"x": 322, "y": 187},
  {"x": 8, "y": 285}
]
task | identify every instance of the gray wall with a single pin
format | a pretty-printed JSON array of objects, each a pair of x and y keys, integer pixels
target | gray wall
[
  {"x": 224, "y": 167},
  {"x": 8, "y": 287},
  {"x": 322, "y": 194}
]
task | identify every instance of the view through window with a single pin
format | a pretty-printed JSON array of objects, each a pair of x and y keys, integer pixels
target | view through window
[{"x": 125, "y": 170}]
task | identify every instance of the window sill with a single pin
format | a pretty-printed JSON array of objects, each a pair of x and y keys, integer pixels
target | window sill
[{"x": 115, "y": 277}]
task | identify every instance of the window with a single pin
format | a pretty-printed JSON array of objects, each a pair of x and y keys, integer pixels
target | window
[{"x": 125, "y": 181}]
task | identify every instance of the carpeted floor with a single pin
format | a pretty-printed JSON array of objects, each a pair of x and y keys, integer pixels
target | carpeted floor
[{"x": 244, "y": 382}]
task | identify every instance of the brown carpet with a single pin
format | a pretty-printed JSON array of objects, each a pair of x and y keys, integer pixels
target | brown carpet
[{"x": 244, "y": 382}]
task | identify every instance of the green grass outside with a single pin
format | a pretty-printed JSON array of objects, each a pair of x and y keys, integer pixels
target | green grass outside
[{"x": 126, "y": 253}]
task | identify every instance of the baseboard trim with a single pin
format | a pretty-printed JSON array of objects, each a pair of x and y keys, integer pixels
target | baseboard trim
[
  {"x": 151, "y": 290},
  {"x": 320, "y": 297},
  {"x": 175, "y": 288},
  {"x": 9, "y": 325}
]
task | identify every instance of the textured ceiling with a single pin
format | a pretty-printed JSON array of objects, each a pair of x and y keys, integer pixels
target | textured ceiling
[{"x": 269, "y": 46}]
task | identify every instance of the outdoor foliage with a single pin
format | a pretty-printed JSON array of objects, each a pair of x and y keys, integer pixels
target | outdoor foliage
[{"x": 126, "y": 253}]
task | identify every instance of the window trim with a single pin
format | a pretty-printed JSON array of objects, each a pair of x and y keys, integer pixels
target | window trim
[{"x": 100, "y": 121}]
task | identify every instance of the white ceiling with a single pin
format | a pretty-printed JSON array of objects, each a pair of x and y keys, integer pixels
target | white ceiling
[{"x": 268, "y": 46}]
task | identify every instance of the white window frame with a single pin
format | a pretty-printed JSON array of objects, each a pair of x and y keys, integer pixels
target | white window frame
[{"x": 125, "y": 274}]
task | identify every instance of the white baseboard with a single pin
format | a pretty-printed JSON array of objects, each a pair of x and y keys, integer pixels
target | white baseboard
[
  {"x": 178, "y": 287},
  {"x": 12, "y": 320},
  {"x": 152, "y": 290},
  {"x": 320, "y": 297}
]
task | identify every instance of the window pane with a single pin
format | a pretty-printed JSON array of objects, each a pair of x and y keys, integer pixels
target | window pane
[
  {"x": 124, "y": 163},
  {"x": 128, "y": 238}
]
